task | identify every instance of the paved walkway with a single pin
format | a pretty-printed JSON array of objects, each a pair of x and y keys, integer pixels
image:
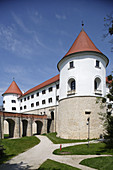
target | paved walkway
[{"x": 34, "y": 157}]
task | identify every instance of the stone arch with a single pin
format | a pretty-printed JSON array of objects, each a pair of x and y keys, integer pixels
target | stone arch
[
  {"x": 39, "y": 127},
  {"x": 24, "y": 127},
  {"x": 11, "y": 124}
]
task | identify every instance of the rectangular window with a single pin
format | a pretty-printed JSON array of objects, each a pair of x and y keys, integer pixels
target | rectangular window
[
  {"x": 57, "y": 86},
  {"x": 97, "y": 63},
  {"x": 32, "y": 96},
  {"x": 28, "y": 97},
  {"x": 50, "y": 89},
  {"x": 13, "y": 108},
  {"x": 25, "y": 107},
  {"x": 3, "y": 101},
  {"x": 32, "y": 104},
  {"x": 25, "y": 99},
  {"x": 43, "y": 91},
  {"x": 37, "y": 103},
  {"x": 37, "y": 94},
  {"x": 21, "y": 108},
  {"x": 43, "y": 101},
  {"x": 13, "y": 101},
  {"x": 87, "y": 112},
  {"x": 71, "y": 64},
  {"x": 50, "y": 100},
  {"x": 57, "y": 98},
  {"x": 21, "y": 100}
]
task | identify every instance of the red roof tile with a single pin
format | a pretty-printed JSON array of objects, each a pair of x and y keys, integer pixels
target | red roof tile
[
  {"x": 82, "y": 43},
  {"x": 50, "y": 81},
  {"x": 13, "y": 88}
]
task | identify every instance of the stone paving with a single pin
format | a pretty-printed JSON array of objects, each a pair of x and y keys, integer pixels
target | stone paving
[{"x": 34, "y": 157}]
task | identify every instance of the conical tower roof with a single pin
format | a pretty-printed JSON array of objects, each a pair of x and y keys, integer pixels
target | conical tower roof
[
  {"x": 13, "y": 89},
  {"x": 82, "y": 43}
]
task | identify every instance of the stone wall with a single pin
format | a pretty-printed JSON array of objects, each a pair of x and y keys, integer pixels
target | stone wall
[{"x": 72, "y": 119}]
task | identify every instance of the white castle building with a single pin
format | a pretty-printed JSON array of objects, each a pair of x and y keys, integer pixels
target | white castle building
[{"x": 68, "y": 99}]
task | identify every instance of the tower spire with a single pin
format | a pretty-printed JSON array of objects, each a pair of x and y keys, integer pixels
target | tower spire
[{"x": 82, "y": 24}]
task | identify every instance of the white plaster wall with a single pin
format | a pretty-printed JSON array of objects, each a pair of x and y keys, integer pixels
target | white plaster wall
[
  {"x": 8, "y": 104},
  {"x": 52, "y": 94},
  {"x": 84, "y": 72}
]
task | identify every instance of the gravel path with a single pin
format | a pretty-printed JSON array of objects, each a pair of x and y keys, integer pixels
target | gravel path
[{"x": 34, "y": 157}]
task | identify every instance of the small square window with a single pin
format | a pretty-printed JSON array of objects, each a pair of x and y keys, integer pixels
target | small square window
[
  {"x": 13, "y": 101},
  {"x": 21, "y": 108},
  {"x": 71, "y": 64},
  {"x": 25, "y": 99},
  {"x": 50, "y": 100},
  {"x": 3, "y": 101},
  {"x": 32, "y": 104},
  {"x": 21, "y": 100},
  {"x": 13, "y": 108},
  {"x": 37, "y": 94},
  {"x": 50, "y": 89},
  {"x": 97, "y": 63},
  {"x": 43, "y": 91},
  {"x": 43, "y": 101},
  {"x": 25, "y": 107},
  {"x": 28, "y": 97},
  {"x": 37, "y": 103},
  {"x": 32, "y": 96},
  {"x": 87, "y": 112},
  {"x": 57, "y": 98},
  {"x": 57, "y": 86}
]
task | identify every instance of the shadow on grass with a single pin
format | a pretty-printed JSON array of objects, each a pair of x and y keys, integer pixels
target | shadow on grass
[{"x": 20, "y": 166}]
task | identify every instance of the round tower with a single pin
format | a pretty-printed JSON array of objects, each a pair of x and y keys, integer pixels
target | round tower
[
  {"x": 10, "y": 98},
  {"x": 82, "y": 81}
]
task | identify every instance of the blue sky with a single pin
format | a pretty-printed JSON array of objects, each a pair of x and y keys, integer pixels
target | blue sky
[{"x": 36, "y": 34}]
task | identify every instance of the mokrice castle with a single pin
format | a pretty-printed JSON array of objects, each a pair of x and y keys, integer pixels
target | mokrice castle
[{"x": 66, "y": 103}]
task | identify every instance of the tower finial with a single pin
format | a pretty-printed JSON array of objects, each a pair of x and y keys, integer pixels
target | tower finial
[{"x": 82, "y": 24}]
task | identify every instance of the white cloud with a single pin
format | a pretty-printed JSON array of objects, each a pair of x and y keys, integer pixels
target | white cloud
[{"x": 60, "y": 17}]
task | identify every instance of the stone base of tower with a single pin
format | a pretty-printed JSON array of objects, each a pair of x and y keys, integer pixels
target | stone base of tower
[{"x": 73, "y": 115}]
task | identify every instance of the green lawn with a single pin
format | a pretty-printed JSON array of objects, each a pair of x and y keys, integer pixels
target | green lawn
[
  {"x": 15, "y": 146},
  {"x": 53, "y": 165},
  {"x": 57, "y": 140},
  {"x": 94, "y": 149},
  {"x": 100, "y": 163}
]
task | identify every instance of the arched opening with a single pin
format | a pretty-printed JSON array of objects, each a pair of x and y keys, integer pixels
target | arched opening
[
  {"x": 11, "y": 126},
  {"x": 6, "y": 129},
  {"x": 39, "y": 127},
  {"x": 71, "y": 86},
  {"x": 24, "y": 127},
  {"x": 97, "y": 84}
]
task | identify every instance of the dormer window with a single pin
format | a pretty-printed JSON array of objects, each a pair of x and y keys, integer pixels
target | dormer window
[{"x": 71, "y": 64}]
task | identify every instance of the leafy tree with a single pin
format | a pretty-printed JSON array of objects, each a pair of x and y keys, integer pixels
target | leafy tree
[
  {"x": 108, "y": 116},
  {"x": 108, "y": 24}
]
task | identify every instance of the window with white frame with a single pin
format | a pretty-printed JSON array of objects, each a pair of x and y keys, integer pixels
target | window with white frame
[
  {"x": 71, "y": 86},
  {"x": 97, "y": 85}
]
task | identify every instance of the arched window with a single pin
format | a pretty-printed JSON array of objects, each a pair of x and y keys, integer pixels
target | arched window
[
  {"x": 71, "y": 86},
  {"x": 97, "y": 84}
]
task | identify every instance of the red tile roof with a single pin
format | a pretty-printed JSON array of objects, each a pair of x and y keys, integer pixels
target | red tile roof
[
  {"x": 13, "y": 89},
  {"x": 50, "y": 81},
  {"x": 82, "y": 43}
]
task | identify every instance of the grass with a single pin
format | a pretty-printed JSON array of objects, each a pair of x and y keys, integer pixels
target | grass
[
  {"x": 100, "y": 163},
  {"x": 94, "y": 149},
  {"x": 57, "y": 140},
  {"x": 15, "y": 146},
  {"x": 53, "y": 165}
]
